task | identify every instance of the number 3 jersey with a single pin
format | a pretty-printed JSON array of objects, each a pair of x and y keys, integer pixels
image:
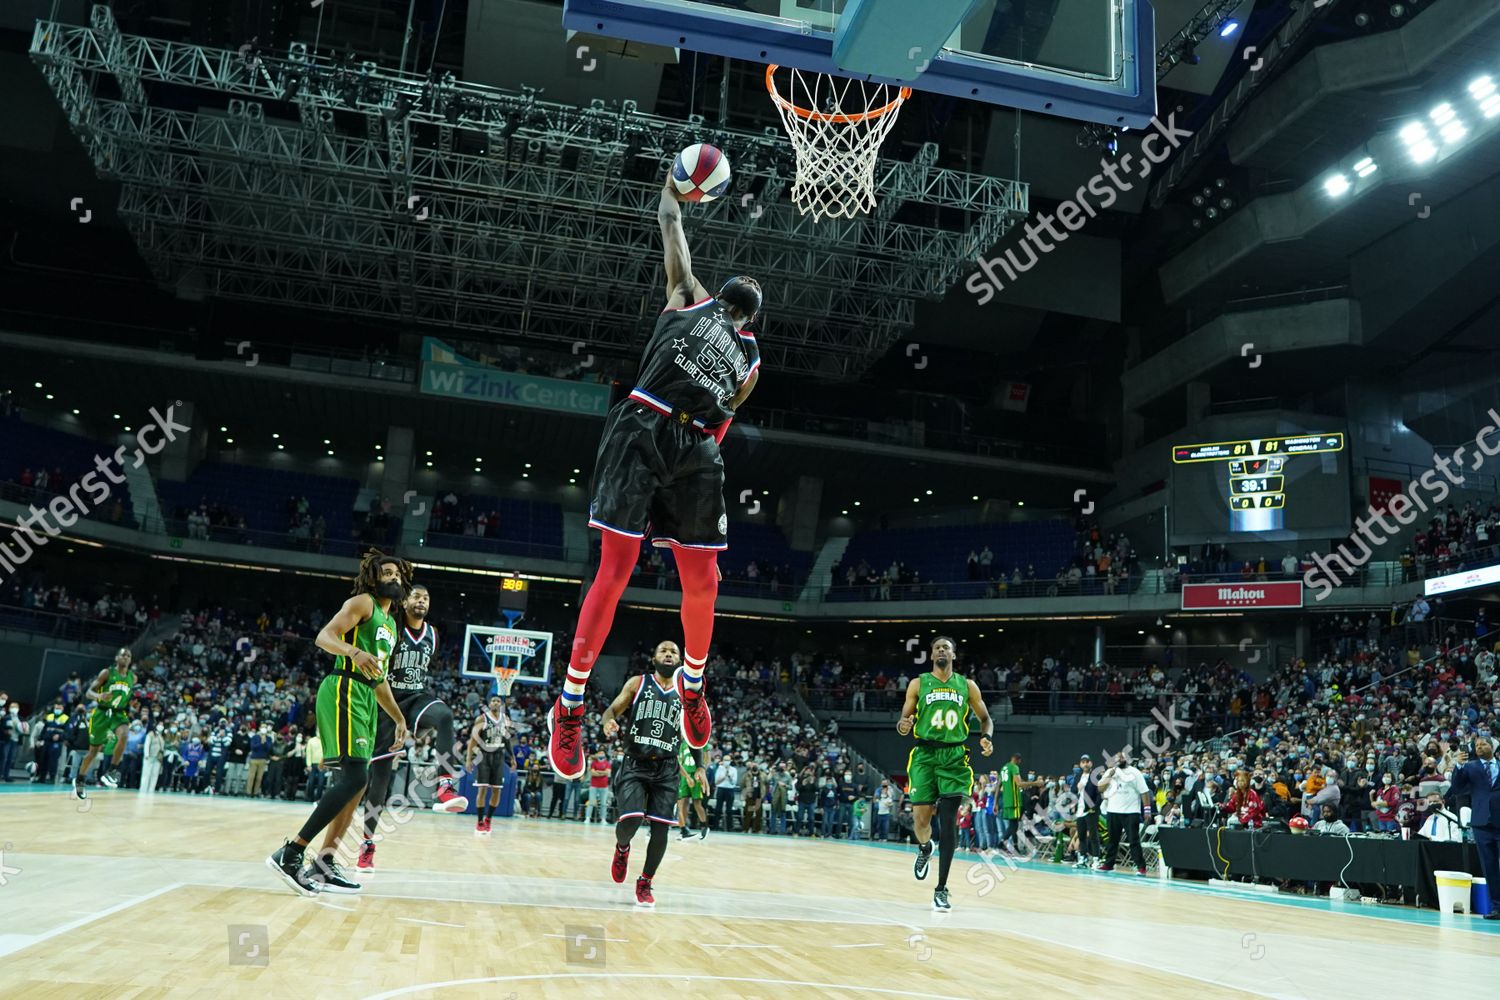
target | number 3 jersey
[
  {"x": 942, "y": 710},
  {"x": 655, "y": 721}
]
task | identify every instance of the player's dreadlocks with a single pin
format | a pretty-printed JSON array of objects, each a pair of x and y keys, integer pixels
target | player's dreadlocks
[{"x": 369, "y": 572}]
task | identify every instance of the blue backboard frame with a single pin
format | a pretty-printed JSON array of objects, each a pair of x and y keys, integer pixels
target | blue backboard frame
[{"x": 1129, "y": 103}]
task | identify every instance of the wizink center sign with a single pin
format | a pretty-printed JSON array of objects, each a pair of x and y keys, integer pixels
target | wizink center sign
[
  {"x": 1220, "y": 596},
  {"x": 445, "y": 373}
]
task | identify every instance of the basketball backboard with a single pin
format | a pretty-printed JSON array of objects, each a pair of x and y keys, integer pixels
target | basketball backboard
[
  {"x": 489, "y": 646},
  {"x": 1091, "y": 60}
]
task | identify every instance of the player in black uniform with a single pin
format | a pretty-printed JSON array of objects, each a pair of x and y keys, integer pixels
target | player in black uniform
[
  {"x": 658, "y": 470},
  {"x": 424, "y": 711},
  {"x": 489, "y": 741},
  {"x": 645, "y": 783}
]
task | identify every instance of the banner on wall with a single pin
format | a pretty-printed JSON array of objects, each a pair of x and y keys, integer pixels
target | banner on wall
[{"x": 449, "y": 374}]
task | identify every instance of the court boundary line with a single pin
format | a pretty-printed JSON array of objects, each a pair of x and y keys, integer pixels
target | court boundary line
[
  {"x": 444, "y": 984},
  {"x": 73, "y": 925}
]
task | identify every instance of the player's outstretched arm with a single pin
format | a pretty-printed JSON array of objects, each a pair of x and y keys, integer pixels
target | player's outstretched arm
[
  {"x": 620, "y": 705},
  {"x": 987, "y": 725},
  {"x": 473, "y": 745},
  {"x": 682, "y": 287},
  {"x": 356, "y": 609},
  {"x": 909, "y": 710}
]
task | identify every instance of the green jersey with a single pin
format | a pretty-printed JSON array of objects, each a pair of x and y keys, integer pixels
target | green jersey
[
  {"x": 942, "y": 709},
  {"x": 376, "y": 635},
  {"x": 687, "y": 757},
  {"x": 116, "y": 691}
]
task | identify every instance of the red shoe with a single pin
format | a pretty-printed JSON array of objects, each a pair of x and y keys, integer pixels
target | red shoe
[
  {"x": 697, "y": 723},
  {"x": 643, "y": 895},
  {"x": 620, "y": 863},
  {"x": 1140, "y": 871},
  {"x": 565, "y": 748},
  {"x": 367, "y": 855},
  {"x": 487, "y": 822},
  {"x": 448, "y": 801},
  {"x": 479, "y": 828}
]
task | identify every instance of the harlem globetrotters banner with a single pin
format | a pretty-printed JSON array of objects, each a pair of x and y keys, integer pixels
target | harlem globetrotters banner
[{"x": 446, "y": 373}]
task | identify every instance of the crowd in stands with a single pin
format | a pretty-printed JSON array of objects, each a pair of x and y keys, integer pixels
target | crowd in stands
[
  {"x": 38, "y": 487},
  {"x": 1100, "y": 564},
  {"x": 1454, "y": 538},
  {"x": 224, "y": 522},
  {"x": 96, "y": 615}
]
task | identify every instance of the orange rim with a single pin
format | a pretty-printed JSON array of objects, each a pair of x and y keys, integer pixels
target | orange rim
[{"x": 823, "y": 116}]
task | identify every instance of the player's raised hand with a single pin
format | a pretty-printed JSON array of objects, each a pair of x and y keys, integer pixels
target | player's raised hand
[
  {"x": 366, "y": 662},
  {"x": 985, "y": 746},
  {"x": 904, "y": 726},
  {"x": 610, "y": 728}
]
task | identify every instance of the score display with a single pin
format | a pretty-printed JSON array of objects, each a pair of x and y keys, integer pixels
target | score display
[{"x": 1253, "y": 485}]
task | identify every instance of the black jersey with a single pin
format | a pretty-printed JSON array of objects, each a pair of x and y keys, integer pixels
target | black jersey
[
  {"x": 491, "y": 732},
  {"x": 409, "y": 662},
  {"x": 695, "y": 362},
  {"x": 655, "y": 718}
]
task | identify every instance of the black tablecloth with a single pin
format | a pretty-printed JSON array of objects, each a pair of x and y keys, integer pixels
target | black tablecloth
[{"x": 1310, "y": 858}]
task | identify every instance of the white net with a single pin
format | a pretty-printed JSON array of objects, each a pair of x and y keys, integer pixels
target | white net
[{"x": 836, "y": 126}]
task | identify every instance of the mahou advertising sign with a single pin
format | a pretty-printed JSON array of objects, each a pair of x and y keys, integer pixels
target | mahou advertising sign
[{"x": 1228, "y": 596}]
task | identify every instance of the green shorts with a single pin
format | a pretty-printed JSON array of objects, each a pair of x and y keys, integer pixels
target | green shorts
[
  {"x": 689, "y": 789},
  {"x": 938, "y": 772},
  {"x": 347, "y": 713},
  {"x": 102, "y": 725}
]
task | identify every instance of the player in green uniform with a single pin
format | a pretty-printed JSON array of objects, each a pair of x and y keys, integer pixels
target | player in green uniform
[
  {"x": 939, "y": 777},
  {"x": 361, "y": 637},
  {"x": 110, "y": 717},
  {"x": 692, "y": 785}
]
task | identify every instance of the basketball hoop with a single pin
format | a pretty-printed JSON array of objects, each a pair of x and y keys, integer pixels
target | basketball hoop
[
  {"x": 505, "y": 677},
  {"x": 836, "y": 125}
]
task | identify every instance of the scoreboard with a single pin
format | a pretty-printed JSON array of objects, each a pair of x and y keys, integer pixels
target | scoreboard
[
  {"x": 1258, "y": 472},
  {"x": 1223, "y": 451}
]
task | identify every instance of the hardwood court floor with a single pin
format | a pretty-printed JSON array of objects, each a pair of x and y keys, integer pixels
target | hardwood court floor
[{"x": 169, "y": 897}]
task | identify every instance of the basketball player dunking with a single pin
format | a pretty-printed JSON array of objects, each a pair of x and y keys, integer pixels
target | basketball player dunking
[
  {"x": 658, "y": 470},
  {"x": 646, "y": 782},
  {"x": 937, "y": 707},
  {"x": 424, "y": 711},
  {"x": 108, "y": 720},
  {"x": 360, "y": 637},
  {"x": 489, "y": 741}
]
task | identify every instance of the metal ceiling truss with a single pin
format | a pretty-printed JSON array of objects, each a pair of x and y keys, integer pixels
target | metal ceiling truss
[{"x": 473, "y": 207}]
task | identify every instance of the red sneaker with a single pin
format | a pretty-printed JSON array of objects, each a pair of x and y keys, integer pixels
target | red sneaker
[
  {"x": 620, "y": 863},
  {"x": 479, "y": 828},
  {"x": 449, "y": 801},
  {"x": 643, "y": 895},
  {"x": 367, "y": 855},
  {"x": 697, "y": 723},
  {"x": 487, "y": 822},
  {"x": 565, "y": 748}
]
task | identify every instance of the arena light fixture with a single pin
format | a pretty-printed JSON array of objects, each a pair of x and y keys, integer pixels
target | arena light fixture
[
  {"x": 50, "y": 396},
  {"x": 225, "y": 430},
  {"x": 281, "y": 447},
  {"x": 1230, "y": 27},
  {"x": 75, "y": 412},
  {"x": 37, "y": 384},
  {"x": 844, "y": 512},
  {"x": 229, "y": 440},
  {"x": 528, "y": 464},
  {"x": 1020, "y": 503},
  {"x": 1366, "y": 166},
  {"x": 275, "y": 437},
  {"x": 1337, "y": 186},
  {"x": 856, "y": 503},
  {"x": 115, "y": 415},
  {"x": 429, "y": 465}
]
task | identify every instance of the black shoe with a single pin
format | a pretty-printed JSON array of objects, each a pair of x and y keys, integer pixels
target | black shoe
[
  {"x": 703, "y": 833},
  {"x": 940, "y": 900},
  {"x": 78, "y": 791},
  {"x": 924, "y": 859},
  {"x": 1492, "y": 915},
  {"x": 287, "y": 863},
  {"x": 331, "y": 878},
  {"x": 686, "y": 834}
]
